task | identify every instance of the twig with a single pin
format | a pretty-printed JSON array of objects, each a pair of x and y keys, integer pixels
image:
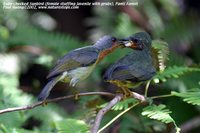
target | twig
[
  {"x": 115, "y": 118},
  {"x": 146, "y": 88},
  {"x": 138, "y": 96},
  {"x": 28, "y": 107},
  {"x": 162, "y": 96},
  {"x": 101, "y": 113},
  {"x": 108, "y": 107}
]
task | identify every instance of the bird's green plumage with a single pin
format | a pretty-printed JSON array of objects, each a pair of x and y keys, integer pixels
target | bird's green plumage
[
  {"x": 135, "y": 67},
  {"x": 46, "y": 90}
]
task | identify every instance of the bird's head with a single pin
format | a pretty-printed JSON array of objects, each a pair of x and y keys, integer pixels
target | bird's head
[
  {"x": 108, "y": 42},
  {"x": 139, "y": 41}
]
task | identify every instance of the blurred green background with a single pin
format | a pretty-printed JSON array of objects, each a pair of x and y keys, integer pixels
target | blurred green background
[{"x": 32, "y": 40}]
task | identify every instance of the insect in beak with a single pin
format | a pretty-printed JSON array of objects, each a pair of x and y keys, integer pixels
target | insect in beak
[
  {"x": 124, "y": 43},
  {"x": 130, "y": 44}
]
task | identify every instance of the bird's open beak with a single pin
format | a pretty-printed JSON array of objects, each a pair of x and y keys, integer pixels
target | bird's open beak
[
  {"x": 124, "y": 43},
  {"x": 130, "y": 44}
]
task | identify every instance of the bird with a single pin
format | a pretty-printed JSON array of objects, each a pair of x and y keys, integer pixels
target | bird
[
  {"x": 78, "y": 64},
  {"x": 134, "y": 68}
]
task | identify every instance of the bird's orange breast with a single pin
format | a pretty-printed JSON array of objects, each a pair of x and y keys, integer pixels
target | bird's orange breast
[{"x": 106, "y": 52}]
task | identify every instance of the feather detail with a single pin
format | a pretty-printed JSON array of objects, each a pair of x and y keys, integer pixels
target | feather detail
[{"x": 46, "y": 90}]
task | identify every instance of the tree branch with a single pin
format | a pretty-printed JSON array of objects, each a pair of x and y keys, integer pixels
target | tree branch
[
  {"x": 28, "y": 107},
  {"x": 101, "y": 113},
  {"x": 108, "y": 107},
  {"x": 141, "y": 98},
  {"x": 104, "y": 110},
  {"x": 116, "y": 117}
]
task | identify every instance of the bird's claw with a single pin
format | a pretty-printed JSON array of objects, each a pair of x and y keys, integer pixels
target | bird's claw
[
  {"x": 126, "y": 93},
  {"x": 44, "y": 103},
  {"x": 76, "y": 95}
]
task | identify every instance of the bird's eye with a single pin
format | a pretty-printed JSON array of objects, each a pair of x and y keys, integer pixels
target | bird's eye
[
  {"x": 114, "y": 39},
  {"x": 135, "y": 40}
]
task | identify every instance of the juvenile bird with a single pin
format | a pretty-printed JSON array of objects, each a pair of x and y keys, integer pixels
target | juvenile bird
[
  {"x": 78, "y": 64},
  {"x": 134, "y": 68}
]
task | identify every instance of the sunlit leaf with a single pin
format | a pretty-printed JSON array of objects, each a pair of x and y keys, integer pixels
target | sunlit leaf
[
  {"x": 159, "y": 113},
  {"x": 191, "y": 97},
  {"x": 72, "y": 126},
  {"x": 124, "y": 104},
  {"x": 173, "y": 72}
]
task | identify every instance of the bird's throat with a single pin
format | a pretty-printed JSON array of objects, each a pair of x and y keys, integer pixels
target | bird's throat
[{"x": 106, "y": 52}]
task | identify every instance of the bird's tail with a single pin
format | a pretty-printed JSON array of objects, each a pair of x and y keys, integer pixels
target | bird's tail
[{"x": 46, "y": 90}]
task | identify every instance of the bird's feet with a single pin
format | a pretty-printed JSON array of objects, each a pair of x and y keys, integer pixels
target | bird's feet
[
  {"x": 44, "y": 103},
  {"x": 76, "y": 94},
  {"x": 126, "y": 92}
]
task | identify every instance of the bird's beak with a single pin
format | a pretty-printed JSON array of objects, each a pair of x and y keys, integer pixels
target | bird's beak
[
  {"x": 135, "y": 46},
  {"x": 130, "y": 44},
  {"x": 124, "y": 43}
]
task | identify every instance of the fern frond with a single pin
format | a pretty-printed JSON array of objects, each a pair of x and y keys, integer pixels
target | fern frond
[
  {"x": 88, "y": 115},
  {"x": 160, "y": 54},
  {"x": 191, "y": 97},
  {"x": 72, "y": 126},
  {"x": 122, "y": 105},
  {"x": 159, "y": 113},
  {"x": 173, "y": 72},
  {"x": 56, "y": 42}
]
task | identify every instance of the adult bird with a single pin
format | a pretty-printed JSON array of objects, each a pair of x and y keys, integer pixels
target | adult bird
[
  {"x": 134, "y": 68},
  {"x": 78, "y": 64}
]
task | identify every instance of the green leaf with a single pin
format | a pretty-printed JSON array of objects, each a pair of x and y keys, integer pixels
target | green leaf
[
  {"x": 191, "y": 97},
  {"x": 173, "y": 72},
  {"x": 72, "y": 126},
  {"x": 122, "y": 105},
  {"x": 159, "y": 113}
]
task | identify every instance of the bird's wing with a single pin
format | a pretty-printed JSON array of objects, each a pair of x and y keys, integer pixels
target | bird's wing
[
  {"x": 133, "y": 74},
  {"x": 160, "y": 53},
  {"x": 121, "y": 73},
  {"x": 77, "y": 58},
  {"x": 136, "y": 66}
]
